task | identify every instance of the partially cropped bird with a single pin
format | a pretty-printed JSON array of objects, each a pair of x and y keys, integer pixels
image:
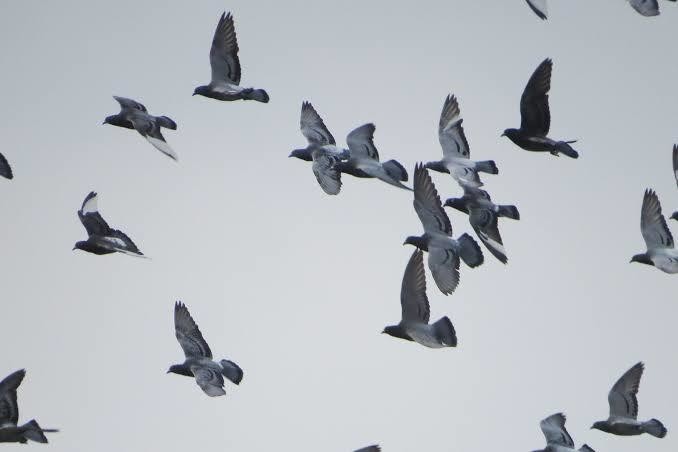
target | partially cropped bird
[
  {"x": 374, "y": 448},
  {"x": 658, "y": 239},
  {"x": 536, "y": 117},
  {"x": 539, "y": 8},
  {"x": 5, "y": 169},
  {"x": 647, "y": 8},
  {"x": 225, "y": 83},
  {"x": 674, "y": 215},
  {"x": 557, "y": 437}
]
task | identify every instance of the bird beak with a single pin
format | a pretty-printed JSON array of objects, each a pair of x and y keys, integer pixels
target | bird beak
[
  {"x": 74, "y": 248},
  {"x": 193, "y": 94},
  {"x": 503, "y": 135}
]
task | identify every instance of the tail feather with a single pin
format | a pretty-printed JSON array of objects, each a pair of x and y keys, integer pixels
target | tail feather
[
  {"x": 164, "y": 121},
  {"x": 396, "y": 170},
  {"x": 444, "y": 331},
  {"x": 256, "y": 94},
  {"x": 654, "y": 428},
  {"x": 469, "y": 251},
  {"x": 231, "y": 371},
  {"x": 508, "y": 212},
  {"x": 586, "y": 448},
  {"x": 487, "y": 166},
  {"x": 563, "y": 147},
  {"x": 32, "y": 431}
]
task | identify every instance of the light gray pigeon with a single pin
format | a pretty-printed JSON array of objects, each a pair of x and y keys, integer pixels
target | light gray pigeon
[
  {"x": 321, "y": 150},
  {"x": 414, "y": 324},
  {"x": 133, "y": 115},
  {"x": 364, "y": 159},
  {"x": 443, "y": 251},
  {"x": 658, "y": 239},
  {"x": 674, "y": 215},
  {"x": 374, "y": 448},
  {"x": 456, "y": 153},
  {"x": 10, "y": 432},
  {"x": 225, "y": 83},
  {"x": 199, "y": 363},
  {"x": 623, "y": 402},
  {"x": 539, "y": 8},
  {"x": 647, "y": 8},
  {"x": 102, "y": 239},
  {"x": 483, "y": 216},
  {"x": 5, "y": 169},
  {"x": 557, "y": 438}
]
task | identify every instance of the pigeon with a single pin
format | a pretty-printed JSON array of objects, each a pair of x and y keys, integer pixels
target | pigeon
[
  {"x": 364, "y": 159},
  {"x": 623, "y": 402},
  {"x": 5, "y": 169},
  {"x": 536, "y": 117},
  {"x": 321, "y": 150},
  {"x": 658, "y": 239},
  {"x": 134, "y": 115},
  {"x": 414, "y": 325},
  {"x": 483, "y": 215},
  {"x": 539, "y": 8},
  {"x": 557, "y": 438},
  {"x": 456, "y": 151},
  {"x": 199, "y": 364},
  {"x": 443, "y": 251},
  {"x": 374, "y": 448},
  {"x": 225, "y": 83},
  {"x": 647, "y": 8},
  {"x": 10, "y": 432},
  {"x": 102, "y": 239},
  {"x": 674, "y": 215}
]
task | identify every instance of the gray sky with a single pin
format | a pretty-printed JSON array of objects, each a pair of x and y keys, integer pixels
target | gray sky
[{"x": 296, "y": 286}]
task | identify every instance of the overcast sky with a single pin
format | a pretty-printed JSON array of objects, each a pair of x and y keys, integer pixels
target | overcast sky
[{"x": 296, "y": 286}]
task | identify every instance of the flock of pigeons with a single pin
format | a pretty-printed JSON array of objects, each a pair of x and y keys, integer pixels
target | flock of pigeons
[{"x": 445, "y": 253}]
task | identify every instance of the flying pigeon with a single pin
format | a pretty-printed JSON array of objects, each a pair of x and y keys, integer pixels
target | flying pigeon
[
  {"x": 10, "y": 432},
  {"x": 483, "y": 215},
  {"x": 623, "y": 402},
  {"x": 321, "y": 150},
  {"x": 414, "y": 324},
  {"x": 456, "y": 153},
  {"x": 5, "y": 169},
  {"x": 675, "y": 173},
  {"x": 225, "y": 83},
  {"x": 539, "y": 8},
  {"x": 374, "y": 448},
  {"x": 443, "y": 251},
  {"x": 658, "y": 239},
  {"x": 557, "y": 438},
  {"x": 646, "y": 7},
  {"x": 536, "y": 117},
  {"x": 199, "y": 364},
  {"x": 134, "y": 115},
  {"x": 102, "y": 239},
  {"x": 364, "y": 159}
]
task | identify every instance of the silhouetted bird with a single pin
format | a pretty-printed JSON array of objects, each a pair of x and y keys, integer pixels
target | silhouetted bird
[
  {"x": 646, "y": 7},
  {"x": 539, "y": 7},
  {"x": 374, "y": 448},
  {"x": 443, "y": 251},
  {"x": 536, "y": 117},
  {"x": 133, "y": 115},
  {"x": 102, "y": 239},
  {"x": 225, "y": 83},
  {"x": 10, "y": 432},
  {"x": 456, "y": 153},
  {"x": 5, "y": 169},
  {"x": 623, "y": 402},
  {"x": 199, "y": 364},
  {"x": 557, "y": 437},
  {"x": 414, "y": 324},
  {"x": 658, "y": 239}
]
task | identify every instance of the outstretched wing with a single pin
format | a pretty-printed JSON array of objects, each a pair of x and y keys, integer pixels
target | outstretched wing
[
  {"x": 90, "y": 218},
  {"x": 5, "y": 169},
  {"x": 485, "y": 223},
  {"x": 539, "y": 8},
  {"x": 450, "y": 131},
  {"x": 675, "y": 162},
  {"x": 209, "y": 380},
  {"x": 415, "y": 307},
  {"x": 149, "y": 128},
  {"x": 224, "y": 52},
  {"x": 360, "y": 143},
  {"x": 188, "y": 334},
  {"x": 129, "y": 104},
  {"x": 9, "y": 409},
  {"x": 652, "y": 223},
  {"x": 534, "y": 104},
  {"x": 323, "y": 168},
  {"x": 647, "y": 8},
  {"x": 427, "y": 203},
  {"x": 622, "y": 397},
  {"x": 555, "y": 431},
  {"x": 313, "y": 127}
]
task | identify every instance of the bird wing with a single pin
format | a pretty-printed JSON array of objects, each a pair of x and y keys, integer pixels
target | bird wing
[
  {"x": 534, "y": 103},
  {"x": 90, "y": 218},
  {"x": 149, "y": 128},
  {"x": 313, "y": 127},
  {"x": 484, "y": 222},
  {"x": 450, "y": 131},
  {"x": 5, "y": 169},
  {"x": 188, "y": 334},
  {"x": 427, "y": 203},
  {"x": 9, "y": 409},
  {"x": 675, "y": 162},
  {"x": 652, "y": 223},
  {"x": 413, "y": 291},
  {"x": 373, "y": 448},
  {"x": 646, "y": 7},
  {"x": 224, "y": 52},
  {"x": 622, "y": 397},
  {"x": 129, "y": 104},
  {"x": 360, "y": 143},
  {"x": 209, "y": 380},
  {"x": 323, "y": 168},
  {"x": 555, "y": 432},
  {"x": 444, "y": 266},
  {"x": 539, "y": 8}
]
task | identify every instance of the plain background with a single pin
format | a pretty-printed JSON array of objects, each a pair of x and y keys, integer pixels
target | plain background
[{"x": 295, "y": 285}]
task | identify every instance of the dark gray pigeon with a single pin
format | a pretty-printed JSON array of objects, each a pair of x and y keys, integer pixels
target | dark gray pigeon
[
  {"x": 199, "y": 363},
  {"x": 536, "y": 117},
  {"x": 674, "y": 215},
  {"x": 102, "y": 239},
  {"x": 456, "y": 152},
  {"x": 414, "y": 324},
  {"x": 557, "y": 438},
  {"x": 10, "y": 432},
  {"x": 134, "y": 115},
  {"x": 647, "y": 8},
  {"x": 539, "y": 8},
  {"x": 5, "y": 169},
  {"x": 623, "y": 402},
  {"x": 364, "y": 159},
  {"x": 658, "y": 239},
  {"x": 483, "y": 216},
  {"x": 225, "y": 83},
  {"x": 374, "y": 448},
  {"x": 443, "y": 251},
  {"x": 321, "y": 150}
]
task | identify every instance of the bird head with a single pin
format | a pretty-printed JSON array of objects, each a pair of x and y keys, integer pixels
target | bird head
[
  {"x": 642, "y": 259},
  {"x": 674, "y": 216},
  {"x": 456, "y": 203},
  {"x": 600, "y": 425},
  {"x": 419, "y": 242},
  {"x": 201, "y": 90},
  {"x": 301, "y": 154},
  {"x": 108, "y": 120},
  {"x": 78, "y": 246},
  {"x": 510, "y": 133}
]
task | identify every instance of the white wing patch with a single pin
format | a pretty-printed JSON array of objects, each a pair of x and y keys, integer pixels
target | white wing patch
[
  {"x": 163, "y": 147},
  {"x": 90, "y": 206}
]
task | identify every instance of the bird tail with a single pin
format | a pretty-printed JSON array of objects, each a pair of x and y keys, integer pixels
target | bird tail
[
  {"x": 487, "y": 166},
  {"x": 469, "y": 251},
  {"x": 508, "y": 212},
  {"x": 34, "y": 432},
  {"x": 586, "y": 448},
  {"x": 395, "y": 170},
  {"x": 255, "y": 94},
  {"x": 563, "y": 147},
  {"x": 231, "y": 371},
  {"x": 164, "y": 121},
  {"x": 654, "y": 428},
  {"x": 444, "y": 330}
]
